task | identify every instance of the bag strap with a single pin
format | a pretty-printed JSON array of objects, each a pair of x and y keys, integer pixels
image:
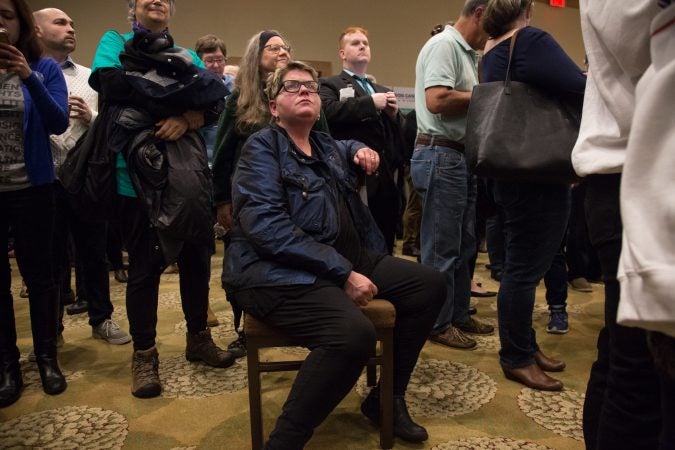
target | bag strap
[{"x": 507, "y": 80}]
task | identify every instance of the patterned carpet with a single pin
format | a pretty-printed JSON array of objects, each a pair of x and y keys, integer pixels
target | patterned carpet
[{"x": 461, "y": 397}]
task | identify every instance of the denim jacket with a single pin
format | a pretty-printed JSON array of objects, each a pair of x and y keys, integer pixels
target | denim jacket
[{"x": 286, "y": 212}]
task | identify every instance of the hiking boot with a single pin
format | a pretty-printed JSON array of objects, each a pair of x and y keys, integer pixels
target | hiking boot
[
  {"x": 200, "y": 347},
  {"x": 111, "y": 332},
  {"x": 145, "y": 373},
  {"x": 557, "y": 323},
  {"x": 453, "y": 337},
  {"x": 238, "y": 346},
  {"x": 473, "y": 326}
]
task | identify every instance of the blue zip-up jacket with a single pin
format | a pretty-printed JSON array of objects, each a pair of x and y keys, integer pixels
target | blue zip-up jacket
[
  {"x": 286, "y": 212},
  {"x": 45, "y": 112}
]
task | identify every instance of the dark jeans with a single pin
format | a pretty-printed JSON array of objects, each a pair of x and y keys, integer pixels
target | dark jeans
[
  {"x": 146, "y": 264},
  {"x": 322, "y": 318},
  {"x": 535, "y": 217},
  {"x": 30, "y": 214},
  {"x": 90, "y": 254},
  {"x": 556, "y": 283},
  {"x": 622, "y": 406}
]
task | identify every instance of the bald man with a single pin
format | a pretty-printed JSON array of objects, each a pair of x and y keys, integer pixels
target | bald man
[{"x": 56, "y": 31}]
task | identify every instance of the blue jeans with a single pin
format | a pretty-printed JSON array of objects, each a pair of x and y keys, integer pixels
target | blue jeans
[
  {"x": 535, "y": 218},
  {"x": 447, "y": 233},
  {"x": 556, "y": 283}
]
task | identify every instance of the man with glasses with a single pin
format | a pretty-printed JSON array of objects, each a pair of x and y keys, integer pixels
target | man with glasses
[
  {"x": 211, "y": 49},
  {"x": 358, "y": 109}
]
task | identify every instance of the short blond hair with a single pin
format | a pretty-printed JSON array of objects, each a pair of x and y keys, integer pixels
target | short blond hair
[{"x": 276, "y": 78}]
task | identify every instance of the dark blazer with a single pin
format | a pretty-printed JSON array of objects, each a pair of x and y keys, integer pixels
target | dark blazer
[{"x": 357, "y": 118}]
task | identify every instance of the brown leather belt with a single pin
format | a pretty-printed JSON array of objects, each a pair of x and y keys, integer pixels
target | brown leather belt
[{"x": 429, "y": 140}]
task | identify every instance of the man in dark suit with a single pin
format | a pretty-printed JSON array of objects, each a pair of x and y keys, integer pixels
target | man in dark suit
[{"x": 359, "y": 109}]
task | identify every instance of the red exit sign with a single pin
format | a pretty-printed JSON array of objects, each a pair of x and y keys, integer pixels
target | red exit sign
[{"x": 557, "y": 3}]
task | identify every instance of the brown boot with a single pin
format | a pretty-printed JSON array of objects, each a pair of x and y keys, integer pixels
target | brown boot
[
  {"x": 211, "y": 319},
  {"x": 145, "y": 373},
  {"x": 200, "y": 347}
]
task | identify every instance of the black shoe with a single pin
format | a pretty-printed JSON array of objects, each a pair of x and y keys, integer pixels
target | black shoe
[
  {"x": 67, "y": 298},
  {"x": 404, "y": 427},
  {"x": 121, "y": 276},
  {"x": 10, "y": 384},
  {"x": 472, "y": 310},
  {"x": 238, "y": 346},
  {"x": 496, "y": 275},
  {"x": 80, "y": 306},
  {"x": 53, "y": 381}
]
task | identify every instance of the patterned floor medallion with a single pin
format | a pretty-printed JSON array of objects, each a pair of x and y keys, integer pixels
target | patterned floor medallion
[
  {"x": 560, "y": 412},
  {"x": 183, "y": 379},
  {"x": 487, "y": 343},
  {"x": 170, "y": 299},
  {"x": 444, "y": 389},
  {"x": 31, "y": 376},
  {"x": 79, "y": 427},
  {"x": 82, "y": 320},
  {"x": 486, "y": 443}
]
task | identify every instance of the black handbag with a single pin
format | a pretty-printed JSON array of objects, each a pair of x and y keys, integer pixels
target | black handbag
[{"x": 518, "y": 132}]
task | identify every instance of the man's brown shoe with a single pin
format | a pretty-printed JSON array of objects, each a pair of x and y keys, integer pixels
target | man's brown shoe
[
  {"x": 548, "y": 364},
  {"x": 453, "y": 337},
  {"x": 533, "y": 377},
  {"x": 473, "y": 326}
]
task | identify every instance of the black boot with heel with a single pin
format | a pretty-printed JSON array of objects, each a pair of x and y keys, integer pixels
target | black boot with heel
[
  {"x": 44, "y": 318},
  {"x": 11, "y": 381}
]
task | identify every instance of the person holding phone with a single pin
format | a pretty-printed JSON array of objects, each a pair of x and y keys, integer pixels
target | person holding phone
[{"x": 33, "y": 105}]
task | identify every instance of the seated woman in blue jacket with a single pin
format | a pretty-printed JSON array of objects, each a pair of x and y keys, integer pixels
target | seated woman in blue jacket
[{"x": 305, "y": 253}]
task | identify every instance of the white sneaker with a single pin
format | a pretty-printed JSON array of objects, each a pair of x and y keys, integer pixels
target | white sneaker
[{"x": 111, "y": 332}]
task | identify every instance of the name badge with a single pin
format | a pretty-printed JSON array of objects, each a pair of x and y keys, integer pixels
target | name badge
[{"x": 346, "y": 93}]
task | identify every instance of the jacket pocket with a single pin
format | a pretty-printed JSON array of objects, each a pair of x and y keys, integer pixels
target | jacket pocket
[{"x": 307, "y": 201}]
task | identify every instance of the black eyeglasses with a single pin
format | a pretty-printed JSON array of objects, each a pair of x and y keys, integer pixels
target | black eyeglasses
[
  {"x": 276, "y": 48},
  {"x": 293, "y": 86}
]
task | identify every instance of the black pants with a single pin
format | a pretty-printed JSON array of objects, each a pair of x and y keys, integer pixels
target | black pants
[
  {"x": 622, "y": 406},
  {"x": 90, "y": 237},
  {"x": 30, "y": 214},
  {"x": 385, "y": 205},
  {"x": 146, "y": 264},
  {"x": 322, "y": 318}
]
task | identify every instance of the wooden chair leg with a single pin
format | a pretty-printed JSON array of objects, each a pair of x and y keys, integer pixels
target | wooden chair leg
[
  {"x": 371, "y": 375},
  {"x": 254, "y": 395},
  {"x": 387, "y": 390}
]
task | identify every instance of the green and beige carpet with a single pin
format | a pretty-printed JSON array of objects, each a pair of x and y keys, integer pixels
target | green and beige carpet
[{"x": 461, "y": 397}]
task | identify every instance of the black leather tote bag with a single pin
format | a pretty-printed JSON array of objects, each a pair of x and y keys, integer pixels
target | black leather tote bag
[{"x": 520, "y": 133}]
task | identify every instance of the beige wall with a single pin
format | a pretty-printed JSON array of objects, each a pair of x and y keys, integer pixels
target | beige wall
[{"x": 398, "y": 28}]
